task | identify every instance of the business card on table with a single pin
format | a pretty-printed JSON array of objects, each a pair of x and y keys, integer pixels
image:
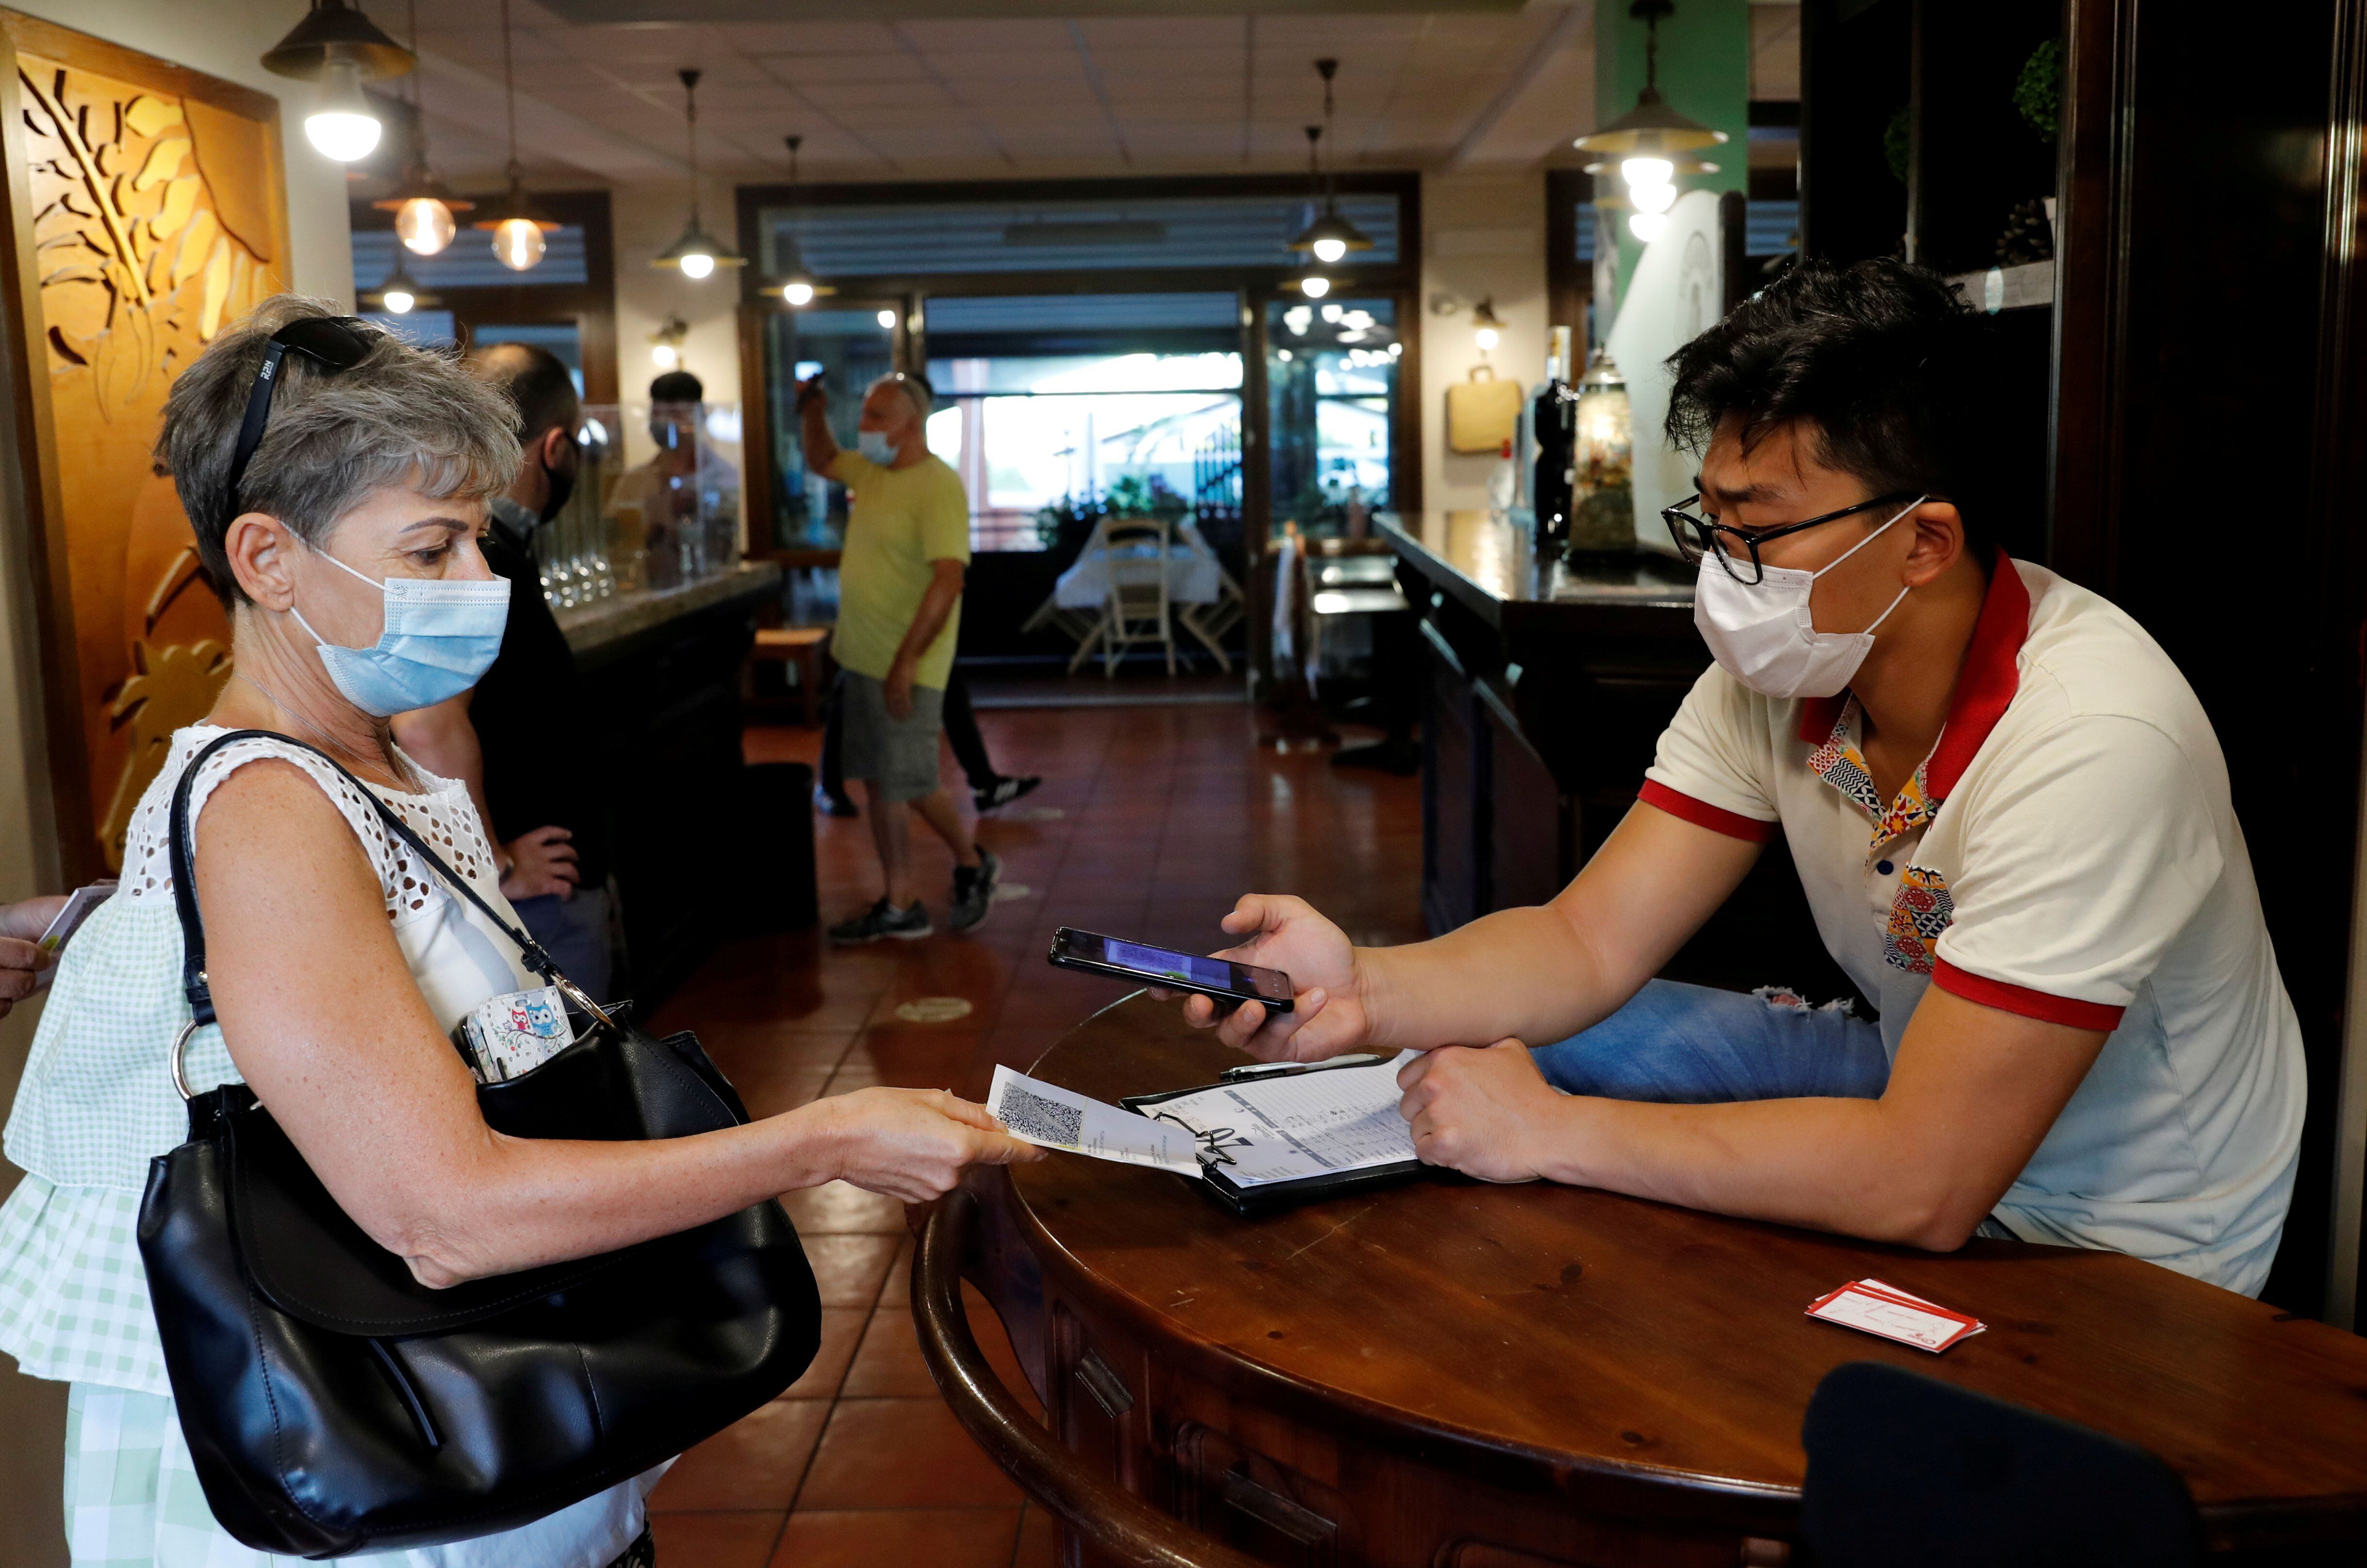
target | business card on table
[{"x": 1871, "y": 1307}]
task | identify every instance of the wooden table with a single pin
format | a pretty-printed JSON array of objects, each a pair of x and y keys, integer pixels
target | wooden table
[{"x": 1510, "y": 1377}]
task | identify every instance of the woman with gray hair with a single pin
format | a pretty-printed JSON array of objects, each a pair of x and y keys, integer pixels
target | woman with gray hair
[{"x": 336, "y": 481}]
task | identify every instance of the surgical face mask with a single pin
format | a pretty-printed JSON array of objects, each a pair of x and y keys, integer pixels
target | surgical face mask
[
  {"x": 439, "y": 640},
  {"x": 874, "y": 446},
  {"x": 1765, "y": 637}
]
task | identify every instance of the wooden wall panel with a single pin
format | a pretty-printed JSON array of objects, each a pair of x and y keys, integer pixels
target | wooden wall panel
[{"x": 148, "y": 210}]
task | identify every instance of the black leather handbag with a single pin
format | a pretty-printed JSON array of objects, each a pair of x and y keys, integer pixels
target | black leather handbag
[{"x": 334, "y": 1404}]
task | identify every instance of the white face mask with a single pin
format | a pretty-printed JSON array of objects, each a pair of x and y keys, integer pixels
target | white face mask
[{"x": 1764, "y": 635}]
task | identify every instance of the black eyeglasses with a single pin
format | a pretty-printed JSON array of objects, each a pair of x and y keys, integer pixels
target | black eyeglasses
[
  {"x": 333, "y": 343},
  {"x": 1697, "y": 535}
]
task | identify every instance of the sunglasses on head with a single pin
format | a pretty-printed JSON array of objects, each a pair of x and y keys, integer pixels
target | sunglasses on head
[{"x": 333, "y": 343}]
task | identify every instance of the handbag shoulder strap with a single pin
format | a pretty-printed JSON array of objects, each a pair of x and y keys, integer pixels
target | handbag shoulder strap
[{"x": 193, "y": 983}]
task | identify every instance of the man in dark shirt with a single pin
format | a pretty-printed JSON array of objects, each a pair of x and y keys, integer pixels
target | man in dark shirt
[{"x": 516, "y": 739}]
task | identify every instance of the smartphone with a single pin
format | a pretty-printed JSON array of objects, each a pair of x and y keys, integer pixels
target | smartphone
[
  {"x": 1228, "y": 983},
  {"x": 81, "y": 905}
]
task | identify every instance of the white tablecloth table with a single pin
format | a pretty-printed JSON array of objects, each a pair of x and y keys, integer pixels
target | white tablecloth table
[{"x": 1194, "y": 576}]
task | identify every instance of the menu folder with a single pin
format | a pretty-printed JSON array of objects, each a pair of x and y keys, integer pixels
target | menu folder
[{"x": 1349, "y": 1146}]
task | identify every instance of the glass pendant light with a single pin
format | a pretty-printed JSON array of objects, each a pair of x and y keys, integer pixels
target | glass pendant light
[
  {"x": 339, "y": 48},
  {"x": 697, "y": 252},
  {"x": 518, "y": 228},
  {"x": 797, "y": 286},
  {"x": 1331, "y": 236},
  {"x": 423, "y": 208}
]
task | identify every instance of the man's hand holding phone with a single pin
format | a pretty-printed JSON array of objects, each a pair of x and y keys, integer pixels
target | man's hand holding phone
[{"x": 1328, "y": 1016}]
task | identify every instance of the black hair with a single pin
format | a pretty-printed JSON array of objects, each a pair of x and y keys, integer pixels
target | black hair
[
  {"x": 536, "y": 383},
  {"x": 1886, "y": 362},
  {"x": 677, "y": 386}
]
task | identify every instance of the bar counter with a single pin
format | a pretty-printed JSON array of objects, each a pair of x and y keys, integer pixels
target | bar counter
[
  {"x": 600, "y": 630},
  {"x": 1545, "y": 691},
  {"x": 700, "y": 849}
]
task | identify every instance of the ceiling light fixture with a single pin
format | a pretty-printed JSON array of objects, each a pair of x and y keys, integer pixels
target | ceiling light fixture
[
  {"x": 401, "y": 294},
  {"x": 798, "y": 287},
  {"x": 1331, "y": 236},
  {"x": 697, "y": 252},
  {"x": 1652, "y": 144},
  {"x": 1315, "y": 286},
  {"x": 518, "y": 227},
  {"x": 423, "y": 208},
  {"x": 339, "y": 48}
]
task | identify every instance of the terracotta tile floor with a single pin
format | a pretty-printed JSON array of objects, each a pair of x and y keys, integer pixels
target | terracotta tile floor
[{"x": 1150, "y": 821}]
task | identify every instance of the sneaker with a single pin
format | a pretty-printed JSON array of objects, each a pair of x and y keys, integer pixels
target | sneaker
[
  {"x": 974, "y": 890},
  {"x": 830, "y": 804},
  {"x": 1003, "y": 791},
  {"x": 905, "y": 925}
]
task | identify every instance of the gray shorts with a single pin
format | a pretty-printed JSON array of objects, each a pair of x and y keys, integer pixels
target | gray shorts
[{"x": 897, "y": 756}]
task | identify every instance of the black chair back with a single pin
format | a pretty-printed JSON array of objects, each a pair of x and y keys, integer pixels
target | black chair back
[{"x": 1905, "y": 1469}]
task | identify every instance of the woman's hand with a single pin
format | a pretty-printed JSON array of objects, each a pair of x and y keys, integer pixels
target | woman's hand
[
  {"x": 1327, "y": 1016},
  {"x": 913, "y": 1144}
]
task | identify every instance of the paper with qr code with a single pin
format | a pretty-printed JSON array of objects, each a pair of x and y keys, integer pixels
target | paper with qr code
[
  {"x": 513, "y": 1035},
  {"x": 1053, "y": 1118}
]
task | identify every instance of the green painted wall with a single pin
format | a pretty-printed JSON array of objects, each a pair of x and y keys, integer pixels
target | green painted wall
[{"x": 1704, "y": 72}]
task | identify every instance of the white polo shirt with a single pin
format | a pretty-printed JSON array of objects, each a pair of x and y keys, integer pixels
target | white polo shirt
[{"x": 2067, "y": 851}]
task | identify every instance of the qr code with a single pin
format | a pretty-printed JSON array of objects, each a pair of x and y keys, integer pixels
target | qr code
[{"x": 1037, "y": 1117}]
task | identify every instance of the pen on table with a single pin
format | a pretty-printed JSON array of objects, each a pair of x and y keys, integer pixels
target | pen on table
[{"x": 1292, "y": 1069}]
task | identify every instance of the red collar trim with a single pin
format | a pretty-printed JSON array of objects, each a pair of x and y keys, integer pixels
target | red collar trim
[{"x": 1991, "y": 674}]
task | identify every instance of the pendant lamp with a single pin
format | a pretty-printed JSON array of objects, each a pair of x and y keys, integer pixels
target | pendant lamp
[
  {"x": 1331, "y": 236},
  {"x": 518, "y": 226},
  {"x": 697, "y": 252},
  {"x": 797, "y": 286},
  {"x": 339, "y": 48},
  {"x": 423, "y": 208},
  {"x": 401, "y": 294},
  {"x": 1651, "y": 143}
]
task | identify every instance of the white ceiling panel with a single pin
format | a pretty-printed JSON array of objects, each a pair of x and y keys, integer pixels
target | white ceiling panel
[
  {"x": 1026, "y": 33},
  {"x": 1007, "y": 94},
  {"x": 806, "y": 37}
]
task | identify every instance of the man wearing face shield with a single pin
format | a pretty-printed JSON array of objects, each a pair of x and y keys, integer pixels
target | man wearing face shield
[
  {"x": 509, "y": 737},
  {"x": 2011, "y": 817}
]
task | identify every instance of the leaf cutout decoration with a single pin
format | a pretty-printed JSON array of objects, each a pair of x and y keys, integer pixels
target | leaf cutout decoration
[
  {"x": 146, "y": 116},
  {"x": 210, "y": 315},
  {"x": 164, "y": 163},
  {"x": 180, "y": 201},
  {"x": 196, "y": 245}
]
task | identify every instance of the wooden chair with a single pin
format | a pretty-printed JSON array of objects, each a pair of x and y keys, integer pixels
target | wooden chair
[
  {"x": 1134, "y": 611},
  {"x": 808, "y": 647}
]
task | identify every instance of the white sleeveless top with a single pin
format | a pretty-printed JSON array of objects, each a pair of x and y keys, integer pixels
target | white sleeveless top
[{"x": 97, "y": 1103}]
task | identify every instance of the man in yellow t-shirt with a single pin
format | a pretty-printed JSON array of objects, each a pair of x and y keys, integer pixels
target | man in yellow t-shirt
[{"x": 899, "y": 584}]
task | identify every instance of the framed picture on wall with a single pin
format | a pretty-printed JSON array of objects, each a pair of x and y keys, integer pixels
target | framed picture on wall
[{"x": 147, "y": 209}]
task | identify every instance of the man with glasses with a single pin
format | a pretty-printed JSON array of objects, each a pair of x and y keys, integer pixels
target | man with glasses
[{"x": 2010, "y": 815}]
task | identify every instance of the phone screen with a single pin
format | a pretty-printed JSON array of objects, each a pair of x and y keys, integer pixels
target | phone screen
[{"x": 1157, "y": 964}]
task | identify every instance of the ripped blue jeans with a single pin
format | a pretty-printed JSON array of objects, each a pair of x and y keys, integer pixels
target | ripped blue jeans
[{"x": 1691, "y": 1046}]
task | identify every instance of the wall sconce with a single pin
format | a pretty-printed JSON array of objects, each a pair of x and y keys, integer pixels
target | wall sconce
[
  {"x": 1487, "y": 327},
  {"x": 666, "y": 343}
]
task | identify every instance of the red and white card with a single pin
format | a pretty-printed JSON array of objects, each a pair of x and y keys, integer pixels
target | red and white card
[{"x": 1871, "y": 1307}]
